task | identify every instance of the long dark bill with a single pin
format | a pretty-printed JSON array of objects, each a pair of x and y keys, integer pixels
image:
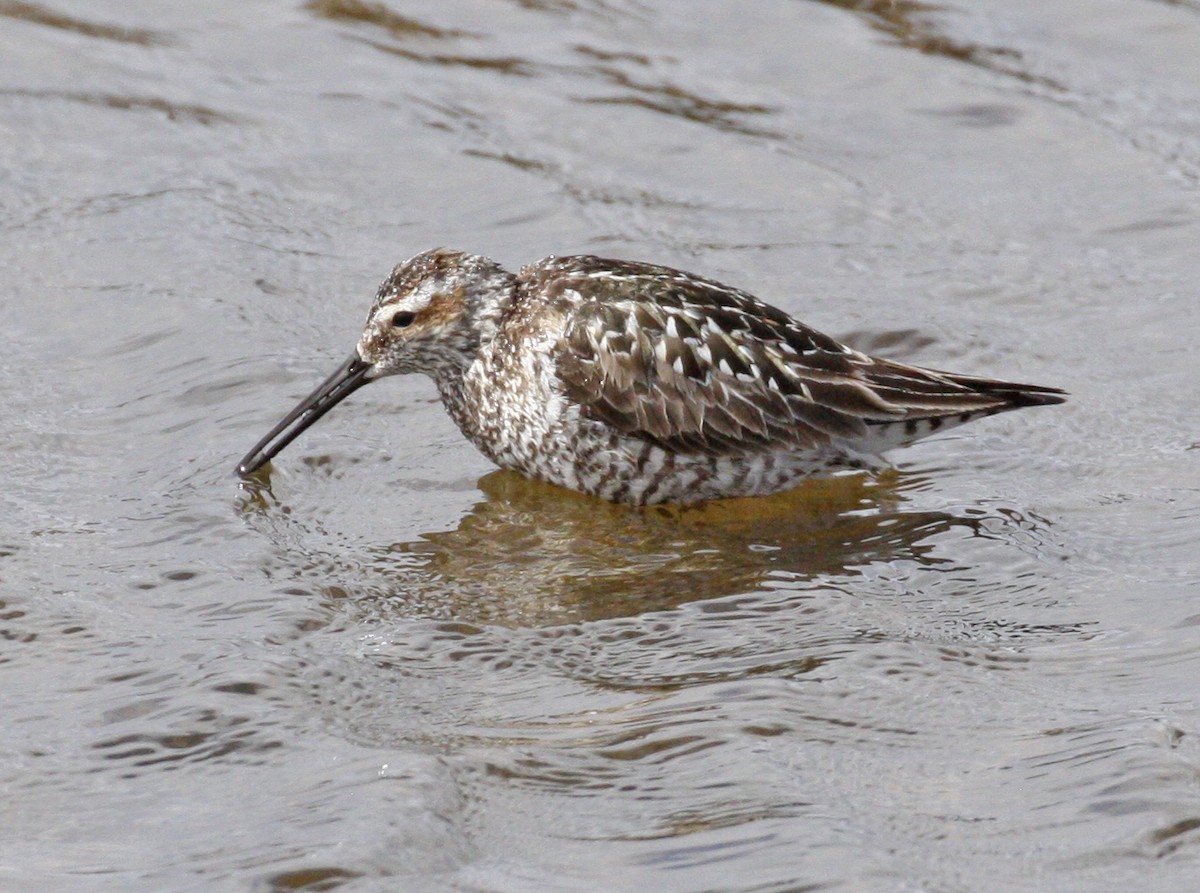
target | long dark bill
[{"x": 350, "y": 376}]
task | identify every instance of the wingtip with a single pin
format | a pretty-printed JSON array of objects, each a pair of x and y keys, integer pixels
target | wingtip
[
  {"x": 1011, "y": 394},
  {"x": 1032, "y": 395}
]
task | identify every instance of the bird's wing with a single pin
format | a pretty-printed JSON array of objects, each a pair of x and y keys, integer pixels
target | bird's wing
[{"x": 694, "y": 365}]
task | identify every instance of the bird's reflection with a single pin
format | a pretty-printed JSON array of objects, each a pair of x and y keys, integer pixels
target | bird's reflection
[{"x": 530, "y": 554}]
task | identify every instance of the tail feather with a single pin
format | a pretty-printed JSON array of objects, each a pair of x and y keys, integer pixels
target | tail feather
[
  {"x": 934, "y": 401},
  {"x": 1011, "y": 393}
]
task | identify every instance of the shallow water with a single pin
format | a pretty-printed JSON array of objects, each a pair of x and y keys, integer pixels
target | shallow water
[{"x": 395, "y": 668}]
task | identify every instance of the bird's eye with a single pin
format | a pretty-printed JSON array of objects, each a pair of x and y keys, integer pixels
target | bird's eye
[{"x": 403, "y": 319}]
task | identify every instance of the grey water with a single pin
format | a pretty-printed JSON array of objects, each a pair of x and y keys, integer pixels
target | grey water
[{"x": 393, "y": 668}]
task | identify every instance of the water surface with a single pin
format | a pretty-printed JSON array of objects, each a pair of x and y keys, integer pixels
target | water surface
[{"x": 395, "y": 668}]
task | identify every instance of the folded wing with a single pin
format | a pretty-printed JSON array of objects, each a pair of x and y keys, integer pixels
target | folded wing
[{"x": 693, "y": 365}]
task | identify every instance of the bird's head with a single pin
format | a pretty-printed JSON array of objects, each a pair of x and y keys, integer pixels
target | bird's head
[
  {"x": 433, "y": 312},
  {"x": 430, "y": 315}
]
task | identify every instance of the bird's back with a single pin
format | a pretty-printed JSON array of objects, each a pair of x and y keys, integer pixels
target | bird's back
[{"x": 697, "y": 367}]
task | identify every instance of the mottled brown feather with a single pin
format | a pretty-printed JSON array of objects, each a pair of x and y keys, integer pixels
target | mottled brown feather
[{"x": 696, "y": 366}]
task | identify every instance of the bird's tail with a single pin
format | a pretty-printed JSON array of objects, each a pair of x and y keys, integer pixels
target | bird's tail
[{"x": 934, "y": 401}]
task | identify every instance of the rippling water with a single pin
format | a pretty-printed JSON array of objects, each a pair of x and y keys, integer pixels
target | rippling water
[{"x": 394, "y": 668}]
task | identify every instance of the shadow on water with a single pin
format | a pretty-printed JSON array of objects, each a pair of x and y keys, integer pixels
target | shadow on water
[
  {"x": 627, "y": 78},
  {"x": 910, "y": 24},
  {"x": 380, "y": 16},
  {"x": 533, "y": 555},
  {"x": 37, "y": 14},
  {"x": 173, "y": 111}
]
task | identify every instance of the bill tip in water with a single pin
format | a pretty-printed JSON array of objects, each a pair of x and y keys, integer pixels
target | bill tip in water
[{"x": 252, "y": 467}]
